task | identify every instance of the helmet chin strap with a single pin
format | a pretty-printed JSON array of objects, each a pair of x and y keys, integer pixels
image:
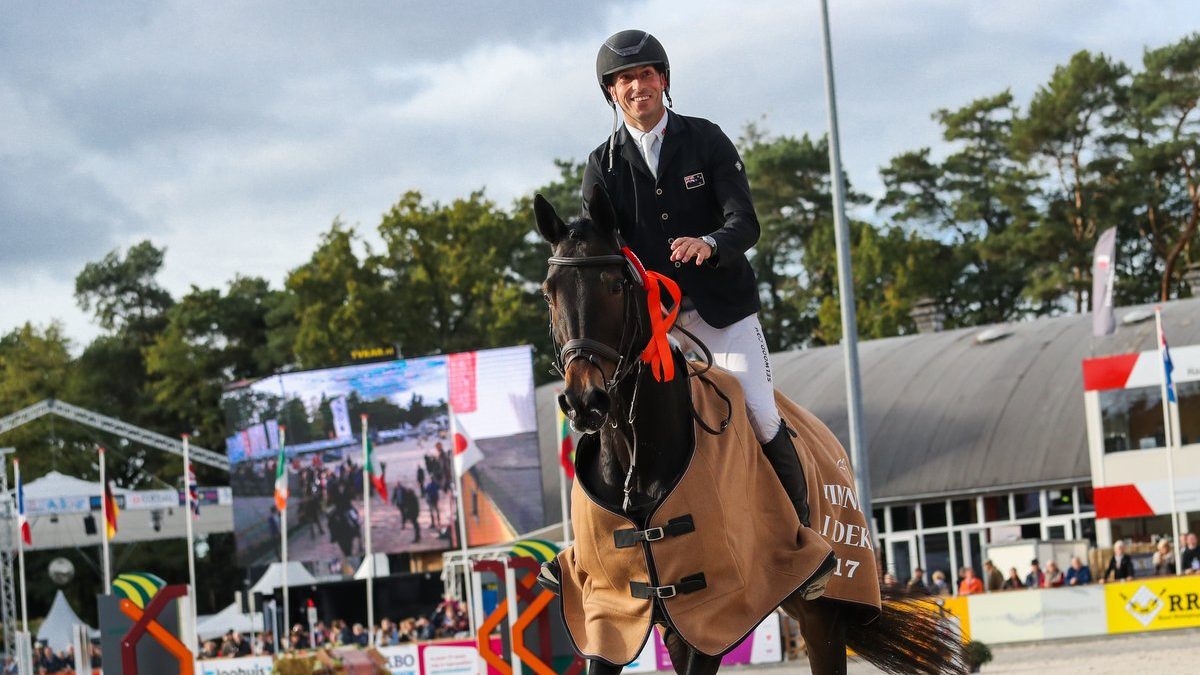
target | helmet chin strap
[{"x": 612, "y": 137}]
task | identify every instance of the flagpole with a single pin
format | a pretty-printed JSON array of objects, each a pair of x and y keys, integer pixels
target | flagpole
[
  {"x": 188, "y": 515},
  {"x": 21, "y": 549},
  {"x": 283, "y": 537},
  {"x": 1168, "y": 436},
  {"x": 366, "y": 482},
  {"x": 458, "y": 477},
  {"x": 105, "y": 564}
]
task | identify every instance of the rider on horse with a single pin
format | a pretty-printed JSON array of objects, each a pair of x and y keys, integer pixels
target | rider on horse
[{"x": 680, "y": 191}]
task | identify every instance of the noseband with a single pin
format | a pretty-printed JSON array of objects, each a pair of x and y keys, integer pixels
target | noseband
[{"x": 589, "y": 349}]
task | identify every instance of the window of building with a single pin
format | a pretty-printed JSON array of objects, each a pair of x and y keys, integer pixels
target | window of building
[
  {"x": 1189, "y": 412},
  {"x": 996, "y": 508},
  {"x": 1087, "y": 502},
  {"x": 1031, "y": 531},
  {"x": 904, "y": 518},
  {"x": 1060, "y": 502},
  {"x": 877, "y": 516},
  {"x": 963, "y": 511},
  {"x": 1027, "y": 504},
  {"x": 1132, "y": 418},
  {"x": 937, "y": 555},
  {"x": 1087, "y": 529},
  {"x": 933, "y": 514}
]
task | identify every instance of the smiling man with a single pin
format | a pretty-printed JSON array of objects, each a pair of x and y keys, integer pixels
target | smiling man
[{"x": 683, "y": 204}]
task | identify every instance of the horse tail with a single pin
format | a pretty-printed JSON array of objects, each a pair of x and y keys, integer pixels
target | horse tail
[{"x": 911, "y": 635}]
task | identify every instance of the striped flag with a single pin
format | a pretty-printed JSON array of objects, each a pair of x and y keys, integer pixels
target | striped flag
[
  {"x": 281, "y": 480},
  {"x": 193, "y": 489},
  {"x": 22, "y": 521},
  {"x": 566, "y": 444},
  {"x": 110, "y": 511},
  {"x": 1168, "y": 365},
  {"x": 372, "y": 470}
]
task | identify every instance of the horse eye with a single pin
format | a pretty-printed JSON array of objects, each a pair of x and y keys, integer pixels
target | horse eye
[
  {"x": 546, "y": 297},
  {"x": 616, "y": 287}
]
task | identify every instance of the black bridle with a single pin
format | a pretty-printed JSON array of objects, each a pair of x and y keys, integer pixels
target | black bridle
[{"x": 624, "y": 356}]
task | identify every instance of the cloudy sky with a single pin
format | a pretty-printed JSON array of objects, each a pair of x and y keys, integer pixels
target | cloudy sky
[{"x": 234, "y": 133}]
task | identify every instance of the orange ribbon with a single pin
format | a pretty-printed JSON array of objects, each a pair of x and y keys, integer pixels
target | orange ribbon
[{"x": 658, "y": 350}]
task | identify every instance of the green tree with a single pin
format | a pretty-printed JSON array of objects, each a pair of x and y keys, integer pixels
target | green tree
[
  {"x": 340, "y": 302},
  {"x": 1068, "y": 131},
  {"x": 123, "y": 292}
]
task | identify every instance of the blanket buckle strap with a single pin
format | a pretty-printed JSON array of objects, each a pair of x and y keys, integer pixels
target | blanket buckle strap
[
  {"x": 688, "y": 584},
  {"x": 674, "y": 528}
]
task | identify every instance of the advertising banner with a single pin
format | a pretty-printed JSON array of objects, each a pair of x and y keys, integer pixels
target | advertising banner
[
  {"x": 1162, "y": 603},
  {"x": 246, "y": 665},
  {"x": 402, "y": 659}
]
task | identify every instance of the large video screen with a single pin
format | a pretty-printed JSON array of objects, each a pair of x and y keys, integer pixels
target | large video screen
[{"x": 408, "y": 404}]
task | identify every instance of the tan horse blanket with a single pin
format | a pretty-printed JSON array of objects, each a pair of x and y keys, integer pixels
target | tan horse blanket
[{"x": 723, "y": 549}]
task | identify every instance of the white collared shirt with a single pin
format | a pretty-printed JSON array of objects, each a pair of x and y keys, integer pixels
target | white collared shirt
[{"x": 658, "y": 131}]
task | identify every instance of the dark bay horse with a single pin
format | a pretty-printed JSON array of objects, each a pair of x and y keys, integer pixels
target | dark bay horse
[{"x": 599, "y": 320}]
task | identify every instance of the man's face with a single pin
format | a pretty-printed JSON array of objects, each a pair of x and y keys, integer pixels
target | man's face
[
  {"x": 1191, "y": 541},
  {"x": 639, "y": 92}
]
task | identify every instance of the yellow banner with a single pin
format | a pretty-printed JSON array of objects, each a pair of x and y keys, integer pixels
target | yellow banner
[
  {"x": 958, "y": 609},
  {"x": 1159, "y": 603}
]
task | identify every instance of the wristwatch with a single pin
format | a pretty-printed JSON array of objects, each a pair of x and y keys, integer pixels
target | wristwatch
[{"x": 710, "y": 241}]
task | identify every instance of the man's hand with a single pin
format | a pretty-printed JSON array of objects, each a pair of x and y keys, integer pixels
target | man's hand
[{"x": 684, "y": 249}]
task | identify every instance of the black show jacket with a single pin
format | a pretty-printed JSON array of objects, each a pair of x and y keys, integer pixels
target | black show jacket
[{"x": 701, "y": 189}]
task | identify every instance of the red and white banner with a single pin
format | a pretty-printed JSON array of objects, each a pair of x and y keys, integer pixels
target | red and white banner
[
  {"x": 461, "y": 381},
  {"x": 1129, "y": 371},
  {"x": 1147, "y": 498}
]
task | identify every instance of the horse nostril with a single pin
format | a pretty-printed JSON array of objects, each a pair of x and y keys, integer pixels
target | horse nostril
[
  {"x": 597, "y": 401},
  {"x": 564, "y": 405}
]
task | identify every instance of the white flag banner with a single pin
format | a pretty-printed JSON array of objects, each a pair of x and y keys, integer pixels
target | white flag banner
[
  {"x": 1104, "y": 277},
  {"x": 341, "y": 417}
]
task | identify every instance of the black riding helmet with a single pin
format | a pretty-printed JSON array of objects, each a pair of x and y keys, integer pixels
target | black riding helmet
[{"x": 628, "y": 49}]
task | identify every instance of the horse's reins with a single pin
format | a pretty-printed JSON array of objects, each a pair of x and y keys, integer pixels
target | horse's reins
[{"x": 589, "y": 349}]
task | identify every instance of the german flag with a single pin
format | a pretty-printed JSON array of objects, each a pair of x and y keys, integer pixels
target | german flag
[{"x": 110, "y": 511}]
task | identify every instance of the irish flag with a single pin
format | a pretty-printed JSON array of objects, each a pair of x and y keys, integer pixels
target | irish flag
[
  {"x": 372, "y": 470},
  {"x": 466, "y": 453},
  {"x": 281, "y": 478}
]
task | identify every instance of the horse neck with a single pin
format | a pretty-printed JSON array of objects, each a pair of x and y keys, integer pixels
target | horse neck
[{"x": 662, "y": 426}]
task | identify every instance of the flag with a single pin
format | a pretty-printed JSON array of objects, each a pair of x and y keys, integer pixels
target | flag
[
  {"x": 193, "y": 489},
  {"x": 22, "y": 521},
  {"x": 566, "y": 444},
  {"x": 281, "y": 480},
  {"x": 1168, "y": 366},
  {"x": 373, "y": 471},
  {"x": 466, "y": 453},
  {"x": 1104, "y": 276},
  {"x": 110, "y": 511}
]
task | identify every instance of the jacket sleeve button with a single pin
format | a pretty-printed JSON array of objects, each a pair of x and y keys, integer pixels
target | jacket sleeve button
[
  {"x": 677, "y": 263},
  {"x": 664, "y": 216},
  {"x": 658, "y": 191},
  {"x": 670, "y": 240}
]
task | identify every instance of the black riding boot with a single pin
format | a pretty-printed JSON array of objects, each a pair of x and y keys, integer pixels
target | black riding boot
[{"x": 782, "y": 455}]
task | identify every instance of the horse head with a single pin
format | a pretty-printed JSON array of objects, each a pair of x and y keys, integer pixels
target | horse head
[{"x": 595, "y": 311}]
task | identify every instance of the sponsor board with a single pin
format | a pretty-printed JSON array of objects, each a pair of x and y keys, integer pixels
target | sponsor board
[
  {"x": 450, "y": 659},
  {"x": 958, "y": 613},
  {"x": 247, "y": 665},
  {"x": 1161, "y": 603},
  {"x": 401, "y": 659}
]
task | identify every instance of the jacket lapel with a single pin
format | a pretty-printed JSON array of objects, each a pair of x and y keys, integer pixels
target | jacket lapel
[{"x": 673, "y": 138}]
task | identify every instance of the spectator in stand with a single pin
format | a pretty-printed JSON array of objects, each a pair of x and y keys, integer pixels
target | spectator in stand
[
  {"x": 209, "y": 651},
  {"x": 266, "y": 644},
  {"x": 1013, "y": 581},
  {"x": 938, "y": 585},
  {"x": 242, "y": 645},
  {"x": 995, "y": 578},
  {"x": 1034, "y": 578},
  {"x": 1078, "y": 574},
  {"x": 341, "y": 633},
  {"x": 361, "y": 638},
  {"x": 916, "y": 585},
  {"x": 1190, "y": 555},
  {"x": 889, "y": 582},
  {"x": 970, "y": 584},
  {"x": 228, "y": 647},
  {"x": 406, "y": 631},
  {"x": 1053, "y": 577},
  {"x": 1120, "y": 566},
  {"x": 1164, "y": 559},
  {"x": 299, "y": 639},
  {"x": 320, "y": 634},
  {"x": 423, "y": 629}
]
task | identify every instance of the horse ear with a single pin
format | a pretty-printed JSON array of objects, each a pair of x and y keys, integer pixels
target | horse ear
[
  {"x": 548, "y": 222},
  {"x": 601, "y": 210}
]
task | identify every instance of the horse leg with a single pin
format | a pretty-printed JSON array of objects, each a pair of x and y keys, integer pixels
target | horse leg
[
  {"x": 824, "y": 631},
  {"x": 686, "y": 660}
]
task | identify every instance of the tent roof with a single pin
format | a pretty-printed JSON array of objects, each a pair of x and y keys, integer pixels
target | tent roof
[
  {"x": 55, "y": 484},
  {"x": 273, "y": 577},
  {"x": 230, "y": 618},
  {"x": 56, "y": 628}
]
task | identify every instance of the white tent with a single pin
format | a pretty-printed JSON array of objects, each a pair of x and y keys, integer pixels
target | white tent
[
  {"x": 231, "y": 618},
  {"x": 56, "y": 629},
  {"x": 273, "y": 577}
]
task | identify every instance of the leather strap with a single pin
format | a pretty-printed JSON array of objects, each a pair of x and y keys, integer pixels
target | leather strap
[
  {"x": 688, "y": 584},
  {"x": 674, "y": 528}
]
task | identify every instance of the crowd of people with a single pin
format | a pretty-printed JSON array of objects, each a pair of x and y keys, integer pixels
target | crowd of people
[
  {"x": 48, "y": 661},
  {"x": 449, "y": 620},
  {"x": 1120, "y": 567}
]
